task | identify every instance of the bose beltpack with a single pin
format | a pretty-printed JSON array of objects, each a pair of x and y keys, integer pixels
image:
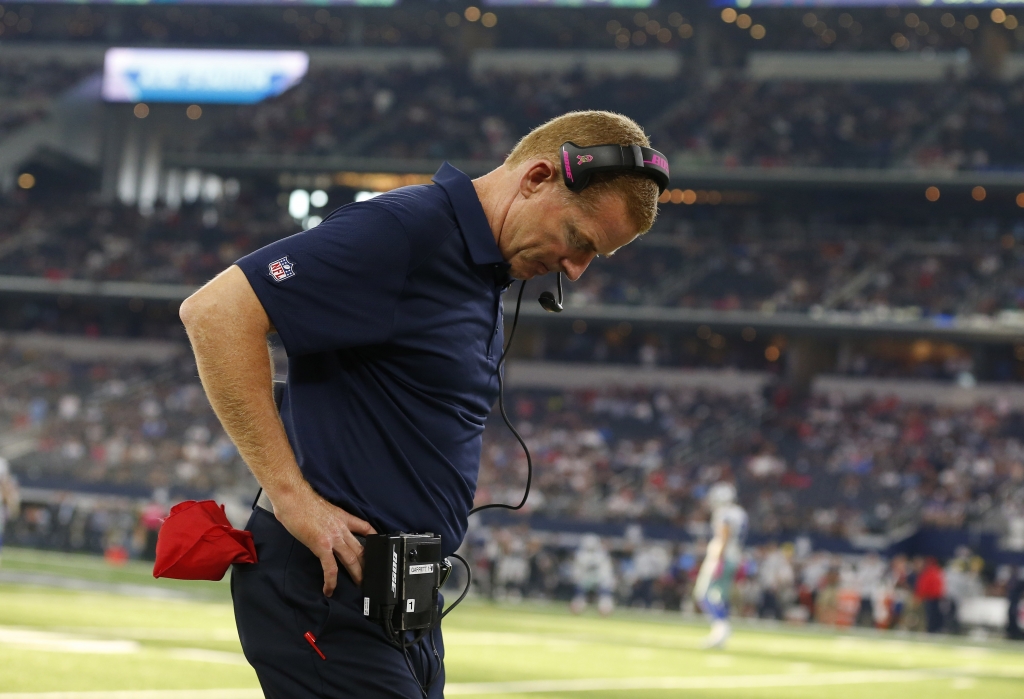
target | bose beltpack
[{"x": 402, "y": 578}]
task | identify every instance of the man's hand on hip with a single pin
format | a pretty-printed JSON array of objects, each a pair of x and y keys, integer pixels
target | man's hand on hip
[{"x": 327, "y": 531}]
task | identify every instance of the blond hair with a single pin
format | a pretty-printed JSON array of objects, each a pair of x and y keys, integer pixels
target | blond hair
[{"x": 594, "y": 128}]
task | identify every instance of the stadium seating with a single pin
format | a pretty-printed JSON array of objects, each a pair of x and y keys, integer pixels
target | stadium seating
[
  {"x": 839, "y": 467},
  {"x": 732, "y": 261}
]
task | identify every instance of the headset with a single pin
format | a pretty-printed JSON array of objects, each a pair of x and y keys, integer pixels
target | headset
[{"x": 579, "y": 164}]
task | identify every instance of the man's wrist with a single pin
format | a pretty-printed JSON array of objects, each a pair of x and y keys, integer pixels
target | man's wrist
[{"x": 286, "y": 495}]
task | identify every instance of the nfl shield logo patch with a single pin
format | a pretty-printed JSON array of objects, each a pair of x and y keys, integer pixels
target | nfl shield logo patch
[{"x": 282, "y": 269}]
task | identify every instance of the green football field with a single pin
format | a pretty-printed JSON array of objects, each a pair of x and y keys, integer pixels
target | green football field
[{"x": 73, "y": 628}]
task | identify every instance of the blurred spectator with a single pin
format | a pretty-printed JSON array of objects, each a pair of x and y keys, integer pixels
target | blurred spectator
[
  {"x": 931, "y": 590},
  {"x": 777, "y": 580},
  {"x": 1015, "y": 613}
]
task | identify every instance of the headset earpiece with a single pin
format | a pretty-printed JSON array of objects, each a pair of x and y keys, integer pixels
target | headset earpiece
[{"x": 578, "y": 164}]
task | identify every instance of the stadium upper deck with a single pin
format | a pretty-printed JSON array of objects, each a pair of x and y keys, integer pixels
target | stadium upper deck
[{"x": 690, "y": 28}]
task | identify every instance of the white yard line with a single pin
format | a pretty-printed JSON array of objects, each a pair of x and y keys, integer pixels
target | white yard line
[
  {"x": 51, "y": 642},
  {"x": 714, "y": 682}
]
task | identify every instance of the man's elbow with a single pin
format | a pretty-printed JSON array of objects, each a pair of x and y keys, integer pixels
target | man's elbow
[
  {"x": 194, "y": 309},
  {"x": 187, "y": 311},
  {"x": 226, "y": 303}
]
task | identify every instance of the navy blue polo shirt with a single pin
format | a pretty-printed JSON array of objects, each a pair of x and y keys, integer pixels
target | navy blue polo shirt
[{"x": 390, "y": 312}]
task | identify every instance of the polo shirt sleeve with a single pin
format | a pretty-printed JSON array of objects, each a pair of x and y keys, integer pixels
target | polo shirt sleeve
[{"x": 334, "y": 286}]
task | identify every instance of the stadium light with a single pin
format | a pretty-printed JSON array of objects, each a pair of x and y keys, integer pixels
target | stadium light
[
  {"x": 212, "y": 189},
  {"x": 191, "y": 186},
  {"x": 318, "y": 198},
  {"x": 298, "y": 204},
  {"x": 364, "y": 196}
]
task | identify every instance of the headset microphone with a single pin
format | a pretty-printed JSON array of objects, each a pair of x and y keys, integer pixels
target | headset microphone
[{"x": 547, "y": 299}]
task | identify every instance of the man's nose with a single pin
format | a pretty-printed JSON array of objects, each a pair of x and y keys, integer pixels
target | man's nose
[{"x": 575, "y": 266}]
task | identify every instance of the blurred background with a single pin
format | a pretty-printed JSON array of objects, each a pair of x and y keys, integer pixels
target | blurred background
[{"x": 829, "y": 311}]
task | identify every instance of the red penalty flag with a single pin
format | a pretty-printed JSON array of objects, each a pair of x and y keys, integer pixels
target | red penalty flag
[{"x": 197, "y": 542}]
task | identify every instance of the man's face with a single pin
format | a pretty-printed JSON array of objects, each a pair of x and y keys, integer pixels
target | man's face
[{"x": 545, "y": 232}]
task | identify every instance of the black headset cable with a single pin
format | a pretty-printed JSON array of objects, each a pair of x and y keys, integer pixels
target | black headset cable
[{"x": 504, "y": 416}]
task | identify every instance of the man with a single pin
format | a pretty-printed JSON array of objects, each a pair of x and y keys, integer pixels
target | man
[
  {"x": 390, "y": 313},
  {"x": 714, "y": 581}
]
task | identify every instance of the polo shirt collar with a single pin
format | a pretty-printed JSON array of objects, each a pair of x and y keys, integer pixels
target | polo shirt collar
[{"x": 476, "y": 231}]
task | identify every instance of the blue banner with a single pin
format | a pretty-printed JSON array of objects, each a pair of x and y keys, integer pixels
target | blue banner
[{"x": 205, "y": 76}]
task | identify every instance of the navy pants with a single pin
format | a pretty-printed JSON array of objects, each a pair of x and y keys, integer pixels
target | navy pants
[{"x": 279, "y": 598}]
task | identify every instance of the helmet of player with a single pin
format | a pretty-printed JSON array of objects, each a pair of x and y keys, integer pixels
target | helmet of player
[
  {"x": 721, "y": 494},
  {"x": 590, "y": 542}
]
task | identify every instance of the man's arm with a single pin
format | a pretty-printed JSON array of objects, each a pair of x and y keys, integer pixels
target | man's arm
[{"x": 228, "y": 329}]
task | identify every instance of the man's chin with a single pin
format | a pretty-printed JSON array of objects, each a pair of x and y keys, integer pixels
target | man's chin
[{"x": 524, "y": 272}]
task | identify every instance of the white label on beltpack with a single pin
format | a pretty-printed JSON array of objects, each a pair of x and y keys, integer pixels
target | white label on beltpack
[
  {"x": 410, "y": 605},
  {"x": 419, "y": 570},
  {"x": 366, "y": 606}
]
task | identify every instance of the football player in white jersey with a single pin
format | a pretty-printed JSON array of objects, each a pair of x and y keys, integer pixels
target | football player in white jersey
[
  {"x": 593, "y": 573},
  {"x": 714, "y": 581}
]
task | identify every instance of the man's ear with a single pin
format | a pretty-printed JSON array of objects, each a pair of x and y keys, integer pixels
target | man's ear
[{"x": 538, "y": 174}]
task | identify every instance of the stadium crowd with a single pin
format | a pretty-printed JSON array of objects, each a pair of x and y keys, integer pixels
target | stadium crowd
[
  {"x": 27, "y": 90},
  {"x": 729, "y": 260},
  {"x": 726, "y": 120},
  {"x": 117, "y": 425},
  {"x": 732, "y": 120},
  {"x": 434, "y": 114},
  {"x": 827, "y": 466},
  {"x": 702, "y": 30}
]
